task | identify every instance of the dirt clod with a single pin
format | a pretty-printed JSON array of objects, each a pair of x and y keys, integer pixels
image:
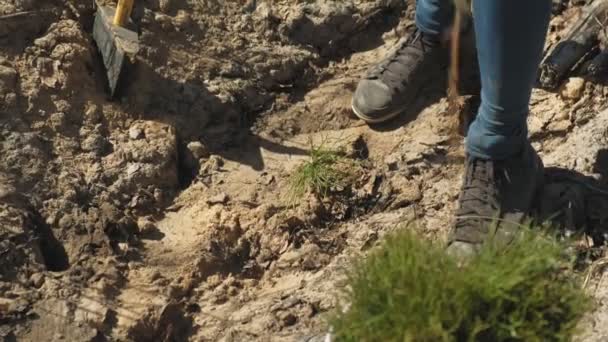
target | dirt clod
[
  {"x": 287, "y": 319},
  {"x": 573, "y": 88},
  {"x": 37, "y": 279},
  {"x": 198, "y": 150}
]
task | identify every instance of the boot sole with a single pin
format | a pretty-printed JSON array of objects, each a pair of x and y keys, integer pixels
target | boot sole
[{"x": 368, "y": 119}]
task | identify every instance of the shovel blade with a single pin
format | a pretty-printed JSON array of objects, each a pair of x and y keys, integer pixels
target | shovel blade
[{"x": 117, "y": 45}]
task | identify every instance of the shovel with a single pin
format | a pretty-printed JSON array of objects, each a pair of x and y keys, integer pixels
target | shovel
[{"x": 117, "y": 40}]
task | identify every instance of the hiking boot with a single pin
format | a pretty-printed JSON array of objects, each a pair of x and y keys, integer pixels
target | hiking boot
[
  {"x": 495, "y": 199},
  {"x": 390, "y": 86}
]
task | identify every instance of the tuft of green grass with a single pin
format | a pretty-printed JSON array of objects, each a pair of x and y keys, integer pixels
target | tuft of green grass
[
  {"x": 324, "y": 171},
  {"x": 410, "y": 290}
]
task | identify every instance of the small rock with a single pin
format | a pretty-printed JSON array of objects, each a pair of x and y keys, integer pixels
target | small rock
[
  {"x": 263, "y": 10},
  {"x": 18, "y": 305},
  {"x": 159, "y": 196},
  {"x": 145, "y": 225},
  {"x": 309, "y": 310},
  {"x": 104, "y": 286},
  {"x": 165, "y": 5},
  {"x": 63, "y": 106},
  {"x": 132, "y": 169},
  {"x": 91, "y": 310},
  {"x": 182, "y": 20},
  {"x": 7, "y": 190},
  {"x": 295, "y": 256},
  {"x": 559, "y": 126},
  {"x": 136, "y": 133},
  {"x": 94, "y": 143},
  {"x": 214, "y": 163},
  {"x": 288, "y": 303},
  {"x": 8, "y": 77},
  {"x": 198, "y": 150},
  {"x": 57, "y": 120},
  {"x": 164, "y": 20},
  {"x": 25, "y": 4},
  {"x": 5, "y": 304},
  {"x": 123, "y": 247},
  {"x": 408, "y": 192},
  {"x": 287, "y": 319},
  {"x": 220, "y": 296},
  {"x": 558, "y": 6},
  {"x": 573, "y": 88},
  {"x": 156, "y": 275},
  {"x": 250, "y": 6},
  {"x": 10, "y": 99},
  {"x": 221, "y": 198},
  {"x": 37, "y": 279},
  {"x": 370, "y": 240},
  {"x": 92, "y": 114},
  {"x": 314, "y": 262},
  {"x": 232, "y": 291}
]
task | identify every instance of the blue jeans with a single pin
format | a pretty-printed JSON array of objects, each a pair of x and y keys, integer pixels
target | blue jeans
[{"x": 510, "y": 36}]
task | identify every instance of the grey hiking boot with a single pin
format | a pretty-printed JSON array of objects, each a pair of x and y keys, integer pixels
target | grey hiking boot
[
  {"x": 495, "y": 199},
  {"x": 390, "y": 86}
]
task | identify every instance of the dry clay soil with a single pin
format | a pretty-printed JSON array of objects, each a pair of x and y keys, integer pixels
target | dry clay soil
[{"x": 161, "y": 215}]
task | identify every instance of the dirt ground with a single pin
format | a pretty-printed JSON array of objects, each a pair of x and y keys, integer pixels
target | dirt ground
[{"x": 161, "y": 215}]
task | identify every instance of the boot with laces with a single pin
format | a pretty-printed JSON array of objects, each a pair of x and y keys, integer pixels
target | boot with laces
[
  {"x": 495, "y": 200},
  {"x": 391, "y": 85}
]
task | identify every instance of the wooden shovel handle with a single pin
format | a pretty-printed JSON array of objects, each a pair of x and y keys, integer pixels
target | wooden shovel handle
[{"x": 123, "y": 11}]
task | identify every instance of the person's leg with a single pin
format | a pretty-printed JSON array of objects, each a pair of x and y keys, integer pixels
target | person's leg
[
  {"x": 433, "y": 17},
  {"x": 503, "y": 172},
  {"x": 391, "y": 85},
  {"x": 510, "y": 39}
]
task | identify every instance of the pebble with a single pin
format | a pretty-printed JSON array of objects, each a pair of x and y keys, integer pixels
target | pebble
[
  {"x": 250, "y": 6},
  {"x": 136, "y": 132},
  {"x": 221, "y": 198},
  {"x": 287, "y": 319},
  {"x": 165, "y": 5},
  {"x": 182, "y": 20},
  {"x": 10, "y": 99},
  {"x": 37, "y": 279},
  {"x": 92, "y": 114},
  {"x": 57, "y": 120},
  {"x": 123, "y": 247},
  {"x": 8, "y": 77},
  {"x": 198, "y": 150},
  {"x": 145, "y": 225},
  {"x": 158, "y": 196},
  {"x": 573, "y": 88},
  {"x": 309, "y": 310},
  {"x": 164, "y": 21}
]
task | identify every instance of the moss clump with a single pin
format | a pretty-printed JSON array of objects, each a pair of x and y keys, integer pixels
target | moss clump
[{"x": 410, "y": 290}]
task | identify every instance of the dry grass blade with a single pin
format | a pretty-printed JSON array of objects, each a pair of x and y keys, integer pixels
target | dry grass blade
[{"x": 596, "y": 266}]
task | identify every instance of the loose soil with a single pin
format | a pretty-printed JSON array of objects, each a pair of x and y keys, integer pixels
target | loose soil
[{"x": 161, "y": 215}]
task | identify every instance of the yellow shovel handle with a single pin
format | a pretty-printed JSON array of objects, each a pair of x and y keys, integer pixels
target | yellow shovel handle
[{"x": 123, "y": 11}]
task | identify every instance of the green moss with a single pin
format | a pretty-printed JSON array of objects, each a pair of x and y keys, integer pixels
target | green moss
[{"x": 410, "y": 290}]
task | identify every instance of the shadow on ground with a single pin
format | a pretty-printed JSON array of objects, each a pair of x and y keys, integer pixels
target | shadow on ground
[
  {"x": 573, "y": 202},
  {"x": 200, "y": 115}
]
